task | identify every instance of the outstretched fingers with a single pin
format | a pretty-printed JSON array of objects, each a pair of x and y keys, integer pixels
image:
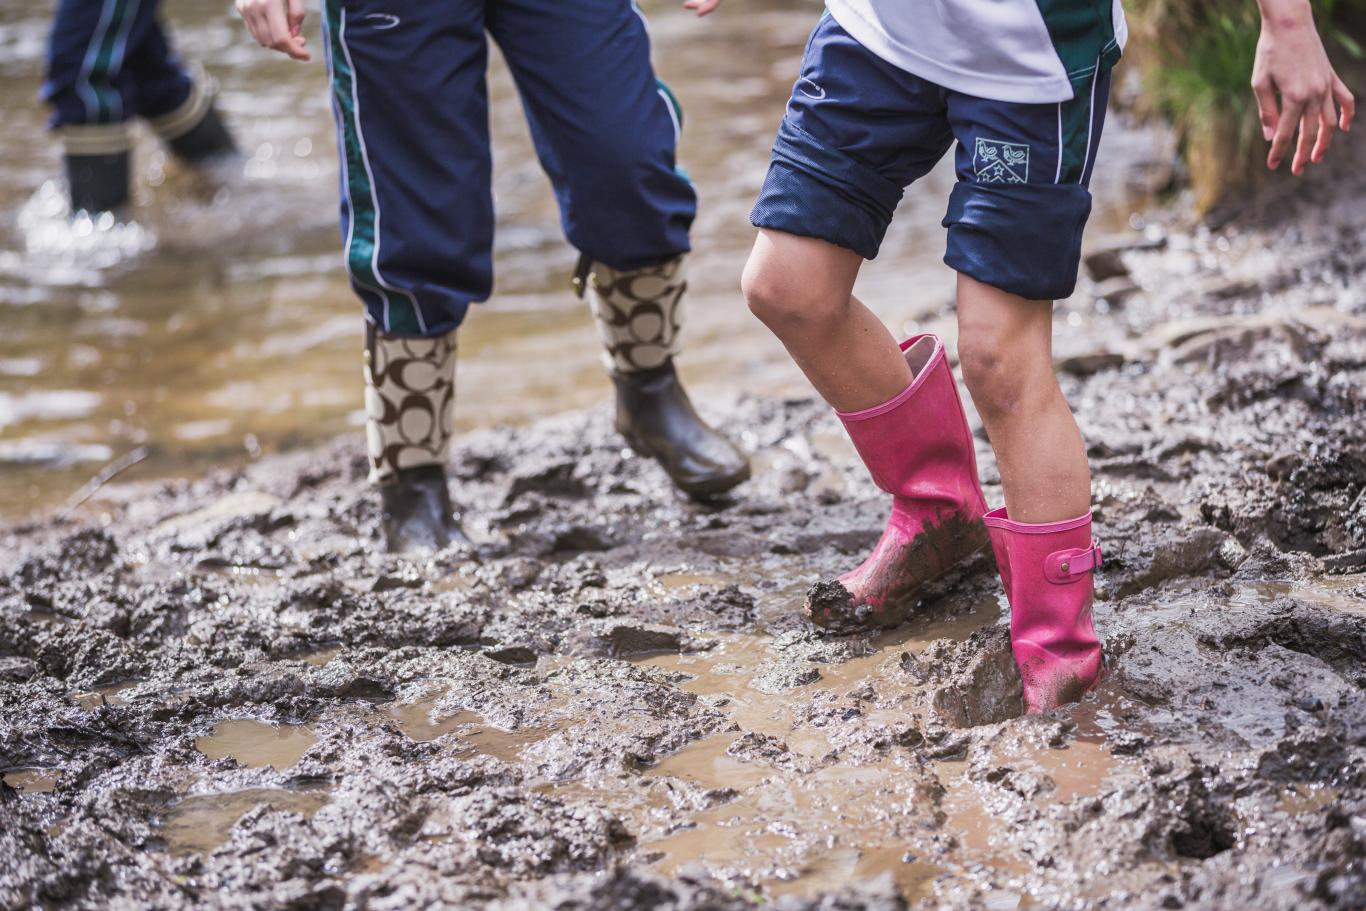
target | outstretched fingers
[
  {"x": 1309, "y": 134},
  {"x": 1267, "y": 110},
  {"x": 1328, "y": 124},
  {"x": 1284, "y": 136},
  {"x": 1346, "y": 103}
]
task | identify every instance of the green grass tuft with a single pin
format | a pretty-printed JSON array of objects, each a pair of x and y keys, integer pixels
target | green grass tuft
[{"x": 1196, "y": 59}]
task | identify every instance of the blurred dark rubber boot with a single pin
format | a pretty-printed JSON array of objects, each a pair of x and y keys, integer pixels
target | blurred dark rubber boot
[
  {"x": 98, "y": 183},
  {"x": 208, "y": 140},
  {"x": 658, "y": 420},
  {"x": 417, "y": 511}
]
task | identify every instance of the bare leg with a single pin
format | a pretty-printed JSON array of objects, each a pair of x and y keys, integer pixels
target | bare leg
[
  {"x": 1005, "y": 346},
  {"x": 802, "y": 289},
  {"x": 912, "y": 436}
]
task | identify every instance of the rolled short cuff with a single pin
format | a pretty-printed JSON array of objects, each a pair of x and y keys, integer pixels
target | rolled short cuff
[
  {"x": 815, "y": 191},
  {"x": 1022, "y": 238}
]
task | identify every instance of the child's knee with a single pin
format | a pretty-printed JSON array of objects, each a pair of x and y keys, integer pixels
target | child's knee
[
  {"x": 1001, "y": 377},
  {"x": 788, "y": 293}
]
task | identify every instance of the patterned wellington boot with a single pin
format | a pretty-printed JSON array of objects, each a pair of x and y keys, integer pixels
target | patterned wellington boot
[
  {"x": 639, "y": 316},
  {"x": 918, "y": 449},
  {"x": 1047, "y": 572},
  {"x": 409, "y": 404}
]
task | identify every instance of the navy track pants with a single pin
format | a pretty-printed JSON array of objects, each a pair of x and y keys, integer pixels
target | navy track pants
[
  {"x": 411, "y": 102},
  {"x": 108, "y": 62}
]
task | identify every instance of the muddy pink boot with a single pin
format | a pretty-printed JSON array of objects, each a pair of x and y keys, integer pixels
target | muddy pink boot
[
  {"x": 917, "y": 448},
  {"x": 1047, "y": 571}
]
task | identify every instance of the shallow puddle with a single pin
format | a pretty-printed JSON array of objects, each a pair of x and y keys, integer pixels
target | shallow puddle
[
  {"x": 46, "y": 616},
  {"x": 729, "y": 836},
  {"x": 1079, "y": 769},
  {"x": 257, "y": 744},
  {"x": 203, "y": 822},
  {"x": 706, "y": 763},
  {"x": 33, "y": 781},
  {"x": 424, "y": 721},
  {"x": 806, "y": 832},
  {"x": 1334, "y": 593},
  {"x": 914, "y": 877},
  {"x": 103, "y": 695},
  {"x": 680, "y": 581},
  {"x": 803, "y": 834},
  {"x": 1304, "y": 798},
  {"x": 320, "y": 657},
  {"x": 728, "y": 670}
]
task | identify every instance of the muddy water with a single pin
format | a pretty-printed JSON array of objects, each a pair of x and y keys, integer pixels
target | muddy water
[
  {"x": 200, "y": 823},
  {"x": 103, "y": 695},
  {"x": 216, "y": 325},
  {"x": 33, "y": 781},
  {"x": 426, "y": 720},
  {"x": 257, "y": 744},
  {"x": 764, "y": 831}
]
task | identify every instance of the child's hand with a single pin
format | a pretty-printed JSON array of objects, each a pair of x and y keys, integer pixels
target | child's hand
[
  {"x": 277, "y": 24},
  {"x": 702, "y": 6},
  {"x": 1291, "y": 62}
]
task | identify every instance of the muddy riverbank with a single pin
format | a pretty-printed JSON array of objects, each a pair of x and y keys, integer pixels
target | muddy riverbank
[{"x": 216, "y": 692}]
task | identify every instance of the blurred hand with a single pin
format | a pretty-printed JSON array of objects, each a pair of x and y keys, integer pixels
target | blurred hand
[
  {"x": 702, "y": 6},
  {"x": 277, "y": 24},
  {"x": 1292, "y": 63}
]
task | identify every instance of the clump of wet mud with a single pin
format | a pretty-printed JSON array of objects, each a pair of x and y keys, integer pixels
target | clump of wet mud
[{"x": 221, "y": 692}]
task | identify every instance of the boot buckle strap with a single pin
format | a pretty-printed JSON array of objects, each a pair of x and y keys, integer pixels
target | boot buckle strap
[
  {"x": 1064, "y": 566},
  {"x": 579, "y": 282}
]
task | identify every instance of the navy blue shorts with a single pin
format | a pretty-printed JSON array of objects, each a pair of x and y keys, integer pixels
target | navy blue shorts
[{"x": 859, "y": 130}]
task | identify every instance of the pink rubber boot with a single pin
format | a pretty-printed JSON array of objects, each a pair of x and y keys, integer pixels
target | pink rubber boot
[
  {"x": 1047, "y": 571},
  {"x": 917, "y": 448}
]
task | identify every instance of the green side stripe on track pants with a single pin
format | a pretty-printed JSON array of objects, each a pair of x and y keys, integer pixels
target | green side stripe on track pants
[
  {"x": 105, "y": 57},
  {"x": 400, "y": 309}
]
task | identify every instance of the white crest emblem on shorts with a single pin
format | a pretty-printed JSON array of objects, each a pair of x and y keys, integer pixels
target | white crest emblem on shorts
[{"x": 995, "y": 161}]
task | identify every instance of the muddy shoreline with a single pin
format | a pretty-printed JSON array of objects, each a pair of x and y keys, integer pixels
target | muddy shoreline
[{"x": 217, "y": 692}]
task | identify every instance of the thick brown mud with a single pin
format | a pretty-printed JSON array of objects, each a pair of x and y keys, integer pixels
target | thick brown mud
[{"x": 221, "y": 692}]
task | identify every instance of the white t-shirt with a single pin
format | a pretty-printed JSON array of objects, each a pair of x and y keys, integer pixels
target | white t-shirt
[{"x": 1005, "y": 50}]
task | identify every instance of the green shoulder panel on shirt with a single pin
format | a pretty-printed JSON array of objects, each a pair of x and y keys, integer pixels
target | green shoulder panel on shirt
[{"x": 1083, "y": 33}]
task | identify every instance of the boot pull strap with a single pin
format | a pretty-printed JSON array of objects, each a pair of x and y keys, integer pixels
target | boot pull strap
[
  {"x": 1064, "y": 566},
  {"x": 581, "y": 272}
]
